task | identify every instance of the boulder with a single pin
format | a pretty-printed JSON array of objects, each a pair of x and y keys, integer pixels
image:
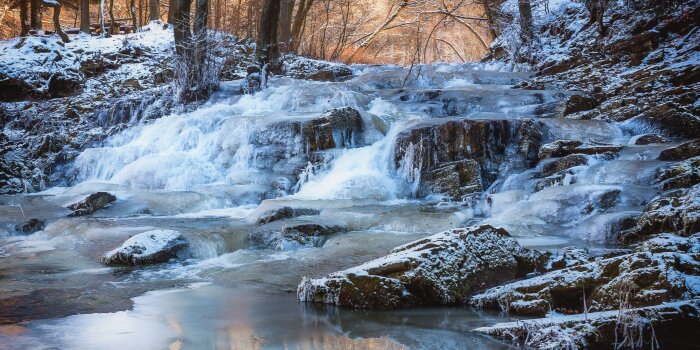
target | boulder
[
  {"x": 306, "y": 235},
  {"x": 338, "y": 127},
  {"x": 666, "y": 326},
  {"x": 61, "y": 85},
  {"x": 647, "y": 139},
  {"x": 148, "y": 247},
  {"x": 661, "y": 269},
  {"x": 438, "y": 270},
  {"x": 284, "y": 213},
  {"x": 568, "y": 257},
  {"x": 564, "y": 163},
  {"x": 579, "y": 103},
  {"x": 675, "y": 211},
  {"x": 455, "y": 179},
  {"x": 91, "y": 203},
  {"x": 558, "y": 148},
  {"x": 669, "y": 119},
  {"x": 304, "y": 68},
  {"x": 14, "y": 89},
  {"x": 30, "y": 226},
  {"x": 681, "y": 152},
  {"x": 431, "y": 147},
  {"x": 680, "y": 175}
]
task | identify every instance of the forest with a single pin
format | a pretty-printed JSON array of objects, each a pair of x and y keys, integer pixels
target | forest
[{"x": 349, "y": 174}]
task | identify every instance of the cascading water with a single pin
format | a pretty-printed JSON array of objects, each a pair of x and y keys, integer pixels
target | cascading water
[{"x": 211, "y": 174}]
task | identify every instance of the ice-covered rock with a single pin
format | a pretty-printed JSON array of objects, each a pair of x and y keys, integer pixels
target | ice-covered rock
[
  {"x": 564, "y": 163},
  {"x": 283, "y": 213},
  {"x": 30, "y": 226},
  {"x": 666, "y": 326},
  {"x": 460, "y": 156},
  {"x": 662, "y": 269},
  {"x": 441, "y": 269},
  {"x": 675, "y": 211},
  {"x": 305, "y": 68},
  {"x": 646, "y": 139},
  {"x": 562, "y": 148},
  {"x": 91, "y": 203},
  {"x": 148, "y": 247},
  {"x": 681, "y": 152},
  {"x": 568, "y": 257},
  {"x": 680, "y": 175}
]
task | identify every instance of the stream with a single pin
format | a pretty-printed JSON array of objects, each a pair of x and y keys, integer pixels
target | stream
[{"x": 210, "y": 173}]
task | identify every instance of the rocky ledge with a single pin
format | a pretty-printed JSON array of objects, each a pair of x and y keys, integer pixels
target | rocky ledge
[
  {"x": 438, "y": 270},
  {"x": 662, "y": 269},
  {"x": 666, "y": 326}
]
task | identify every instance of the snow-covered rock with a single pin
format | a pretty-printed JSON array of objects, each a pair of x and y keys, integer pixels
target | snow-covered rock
[
  {"x": 674, "y": 211},
  {"x": 441, "y": 269},
  {"x": 680, "y": 175},
  {"x": 666, "y": 326},
  {"x": 664, "y": 268},
  {"x": 148, "y": 247}
]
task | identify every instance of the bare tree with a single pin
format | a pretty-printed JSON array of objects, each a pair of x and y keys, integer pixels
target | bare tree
[
  {"x": 267, "y": 49},
  {"x": 24, "y": 17},
  {"x": 85, "y": 16},
  {"x": 299, "y": 20},
  {"x": 132, "y": 12},
  {"x": 196, "y": 71},
  {"x": 596, "y": 9},
  {"x": 56, "y": 18},
  {"x": 154, "y": 10},
  {"x": 526, "y": 25},
  {"x": 285, "y": 23},
  {"x": 35, "y": 15}
]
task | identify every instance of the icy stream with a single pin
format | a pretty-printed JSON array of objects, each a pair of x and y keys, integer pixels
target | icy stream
[{"x": 209, "y": 174}]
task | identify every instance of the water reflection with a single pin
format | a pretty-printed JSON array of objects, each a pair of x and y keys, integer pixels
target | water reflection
[{"x": 214, "y": 317}]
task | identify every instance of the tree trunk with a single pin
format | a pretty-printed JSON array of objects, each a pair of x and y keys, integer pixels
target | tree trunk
[
  {"x": 267, "y": 50},
  {"x": 103, "y": 29},
  {"x": 526, "y": 26},
  {"x": 85, "y": 16},
  {"x": 155, "y": 10},
  {"x": 35, "y": 15},
  {"x": 132, "y": 11},
  {"x": 24, "y": 17},
  {"x": 285, "y": 24},
  {"x": 299, "y": 19},
  {"x": 201, "y": 16},
  {"x": 171, "y": 11},
  {"x": 111, "y": 17},
  {"x": 181, "y": 24},
  {"x": 56, "y": 18}
]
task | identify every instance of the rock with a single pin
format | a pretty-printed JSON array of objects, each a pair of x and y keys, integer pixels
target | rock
[
  {"x": 681, "y": 152},
  {"x": 150, "y": 247},
  {"x": 91, "y": 203},
  {"x": 579, "y": 103},
  {"x": 284, "y": 213},
  {"x": 667, "y": 326},
  {"x": 304, "y": 68},
  {"x": 30, "y": 226},
  {"x": 680, "y": 175},
  {"x": 338, "y": 127},
  {"x": 561, "y": 148},
  {"x": 422, "y": 150},
  {"x": 564, "y": 163},
  {"x": 61, "y": 85},
  {"x": 669, "y": 120},
  {"x": 568, "y": 257},
  {"x": 647, "y": 139},
  {"x": 14, "y": 89},
  {"x": 306, "y": 235},
  {"x": 558, "y": 148},
  {"x": 438, "y": 270},
  {"x": 661, "y": 269},
  {"x": 675, "y": 211},
  {"x": 455, "y": 179}
]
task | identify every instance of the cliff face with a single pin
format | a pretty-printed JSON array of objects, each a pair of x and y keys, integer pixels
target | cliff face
[{"x": 642, "y": 70}]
